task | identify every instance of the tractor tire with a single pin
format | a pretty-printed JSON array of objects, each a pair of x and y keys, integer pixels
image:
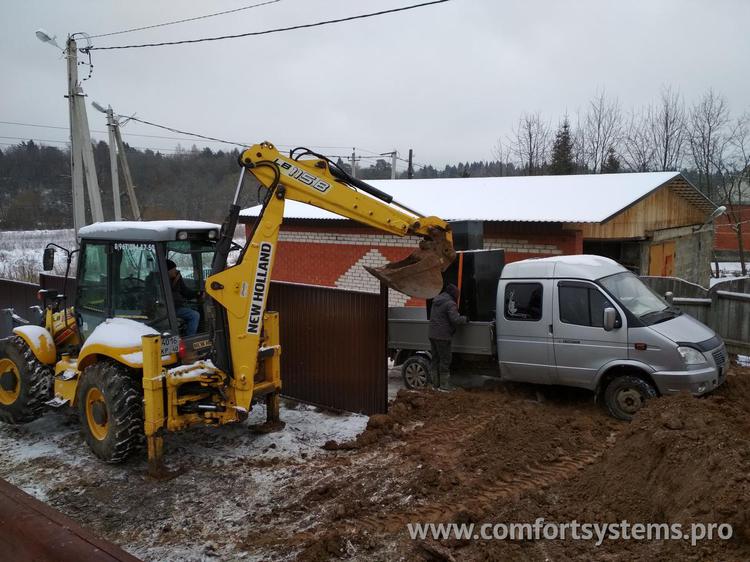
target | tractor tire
[
  {"x": 416, "y": 372},
  {"x": 627, "y": 394},
  {"x": 25, "y": 383},
  {"x": 110, "y": 406}
]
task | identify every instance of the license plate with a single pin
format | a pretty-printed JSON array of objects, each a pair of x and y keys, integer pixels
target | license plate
[{"x": 170, "y": 345}]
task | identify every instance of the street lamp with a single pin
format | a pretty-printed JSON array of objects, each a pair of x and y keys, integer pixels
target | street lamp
[
  {"x": 718, "y": 211},
  {"x": 45, "y": 37}
]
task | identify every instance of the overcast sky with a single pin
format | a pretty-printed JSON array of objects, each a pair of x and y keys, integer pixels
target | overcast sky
[{"x": 446, "y": 80}]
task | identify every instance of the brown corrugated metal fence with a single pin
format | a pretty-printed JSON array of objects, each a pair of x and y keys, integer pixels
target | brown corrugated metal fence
[
  {"x": 333, "y": 346},
  {"x": 18, "y": 295}
]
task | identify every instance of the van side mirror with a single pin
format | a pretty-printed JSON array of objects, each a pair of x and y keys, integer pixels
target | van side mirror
[
  {"x": 610, "y": 319},
  {"x": 48, "y": 260},
  {"x": 669, "y": 297}
]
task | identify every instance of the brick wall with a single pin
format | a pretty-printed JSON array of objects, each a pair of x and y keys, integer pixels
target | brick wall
[
  {"x": 333, "y": 255},
  {"x": 725, "y": 238}
]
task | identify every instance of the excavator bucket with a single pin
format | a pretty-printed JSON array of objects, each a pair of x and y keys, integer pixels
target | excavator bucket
[{"x": 420, "y": 274}]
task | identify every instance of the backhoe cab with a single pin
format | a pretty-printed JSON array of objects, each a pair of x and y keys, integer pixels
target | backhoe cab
[
  {"x": 122, "y": 355},
  {"x": 123, "y": 273}
]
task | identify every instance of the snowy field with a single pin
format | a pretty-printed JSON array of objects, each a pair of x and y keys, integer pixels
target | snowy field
[{"x": 21, "y": 251}]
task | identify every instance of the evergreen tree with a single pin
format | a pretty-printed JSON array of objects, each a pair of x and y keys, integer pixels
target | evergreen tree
[
  {"x": 612, "y": 164},
  {"x": 562, "y": 151}
]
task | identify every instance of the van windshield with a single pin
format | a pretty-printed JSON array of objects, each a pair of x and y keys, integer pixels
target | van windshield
[{"x": 638, "y": 298}]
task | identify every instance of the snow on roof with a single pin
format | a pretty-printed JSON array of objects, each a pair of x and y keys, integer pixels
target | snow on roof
[
  {"x": 142, "y": 230},
  {"x": 577, "y": 198}
]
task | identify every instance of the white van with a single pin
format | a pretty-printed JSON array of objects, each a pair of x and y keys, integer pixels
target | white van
[
  {"x": 581, "y": 321},
  {"x": 586, "y": 321}
]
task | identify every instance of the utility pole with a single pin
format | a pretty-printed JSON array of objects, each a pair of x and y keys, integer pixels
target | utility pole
[
  {"x": 394, "y": 156},
  {"x": 410, "y": 169},
  {"x": 76, "y": 162},
  {"x": 82, "y": 155},
  {"x": 117, "y": 151},
  {"x": 354, "y": 164},
  {"x": 113, "y": 164},
  {"x": 129, "y": 187}
]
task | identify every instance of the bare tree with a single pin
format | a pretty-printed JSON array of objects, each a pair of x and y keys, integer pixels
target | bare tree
[
  {"x": 707, "y": 136},
  {"x": 580, "y": 146},
  {"x": 638, "y": 150},
  {"x": 667, "y": 129},
  {"x": 732, "y": 170},
  {"x": 602, "y": 129},
  {"x": 502, "y": 152},
  {"x": 530, "y": 142}
]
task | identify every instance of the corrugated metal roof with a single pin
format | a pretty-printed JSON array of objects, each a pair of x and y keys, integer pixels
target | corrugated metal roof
[{"x": 571, "y": 199}]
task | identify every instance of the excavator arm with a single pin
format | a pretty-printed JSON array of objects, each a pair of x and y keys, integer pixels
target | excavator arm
[
  {"x": 241, "y": 290},
  {"x": 321, "y": 183}
]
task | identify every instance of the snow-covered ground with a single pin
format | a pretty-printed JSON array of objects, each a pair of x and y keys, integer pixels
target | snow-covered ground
[
  {"x": 231, "y": 475},
  {"x": 728, "y": 271}
]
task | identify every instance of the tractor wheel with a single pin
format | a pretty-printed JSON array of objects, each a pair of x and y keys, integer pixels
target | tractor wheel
[
  {"x": 110, "y": 405},
  {"x": 25, "y": 383}
]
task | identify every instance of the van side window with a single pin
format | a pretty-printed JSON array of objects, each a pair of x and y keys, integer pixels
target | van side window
[
  {"x": 523, "y": 301},
  {"x": 583, "y": 306}
]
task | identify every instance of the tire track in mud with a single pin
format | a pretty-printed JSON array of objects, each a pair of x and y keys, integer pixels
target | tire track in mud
[{"x": 537, "y": 475}]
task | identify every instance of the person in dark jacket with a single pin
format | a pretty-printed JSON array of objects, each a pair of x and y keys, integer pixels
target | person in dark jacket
[
  {"x": 444, "y": 318},
  {"x": 181, "y": 292}
]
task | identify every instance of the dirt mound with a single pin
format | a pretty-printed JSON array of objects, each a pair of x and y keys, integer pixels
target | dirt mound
[{"x": 682, "y": 460}]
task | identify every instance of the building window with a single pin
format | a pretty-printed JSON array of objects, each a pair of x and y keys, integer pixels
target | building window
[{"x": 523, "y": 301}]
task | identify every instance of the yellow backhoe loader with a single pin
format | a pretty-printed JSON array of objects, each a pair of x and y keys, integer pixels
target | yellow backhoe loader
[{"x": 121, "y": 356}]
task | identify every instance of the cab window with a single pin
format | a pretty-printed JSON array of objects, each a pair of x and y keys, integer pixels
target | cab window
[
  {"x": 582, "y": 305},
  {"x": 91, "y": 301},
  {"x": 137, "y": 291},
  {"x": 193, "y": 259}
]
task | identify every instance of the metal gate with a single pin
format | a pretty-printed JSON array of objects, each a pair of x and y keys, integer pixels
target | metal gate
[{"x": 333, "y": 346}]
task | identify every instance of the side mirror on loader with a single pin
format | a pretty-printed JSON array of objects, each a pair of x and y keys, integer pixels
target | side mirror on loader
[{"x": 48, "y": 260}]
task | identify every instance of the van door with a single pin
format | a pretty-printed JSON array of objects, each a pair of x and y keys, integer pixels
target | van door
[
  {"x": 524, "y": 340},
  {"x": 581, "y": 344}
]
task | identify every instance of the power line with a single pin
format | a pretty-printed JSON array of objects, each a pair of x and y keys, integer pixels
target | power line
[
  {"x": 268, "y": 31},
  {"x": 33, "y": 125},
  {"x": 172, "y": 129},
  {"x": 98, "y": 131},
  {"x": 184, "y": 20},
  {"x": 327, "y": 147}
]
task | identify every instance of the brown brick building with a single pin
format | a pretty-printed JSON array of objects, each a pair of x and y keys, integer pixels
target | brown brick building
[{"x": 649, "y": 222}]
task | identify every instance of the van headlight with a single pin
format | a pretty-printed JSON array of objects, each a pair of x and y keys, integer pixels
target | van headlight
[{"x": 691, "y": 356}]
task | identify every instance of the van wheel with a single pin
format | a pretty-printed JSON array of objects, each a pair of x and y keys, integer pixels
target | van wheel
[
  {"x": 627, "y": 394},
  {"x": 416, "y": 372}
]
